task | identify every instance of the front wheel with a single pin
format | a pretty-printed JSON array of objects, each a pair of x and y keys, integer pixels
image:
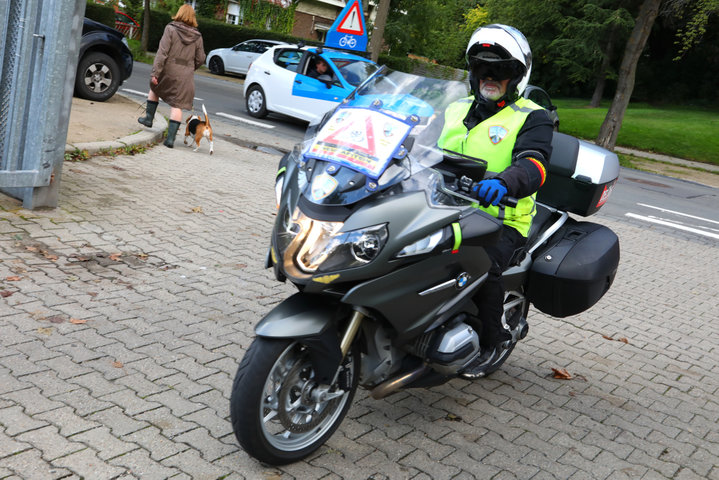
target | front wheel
[
  {"x": 256, "y": 102},
  {"x": 98, "y": 77},
  {"x": 279, "y": 413}
]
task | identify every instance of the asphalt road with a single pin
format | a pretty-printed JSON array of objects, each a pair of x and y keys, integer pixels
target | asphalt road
[{"x": 223, "y": 98}]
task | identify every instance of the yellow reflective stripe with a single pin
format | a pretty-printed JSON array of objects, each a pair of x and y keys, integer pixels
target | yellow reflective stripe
[{"x": 457, "y": 236}]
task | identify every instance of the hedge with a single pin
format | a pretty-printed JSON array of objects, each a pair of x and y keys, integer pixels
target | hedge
[{"x": 100, "y": 13}]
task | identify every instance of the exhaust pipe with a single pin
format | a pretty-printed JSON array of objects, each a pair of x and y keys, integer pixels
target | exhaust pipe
[{"x": 391, "y": 386}]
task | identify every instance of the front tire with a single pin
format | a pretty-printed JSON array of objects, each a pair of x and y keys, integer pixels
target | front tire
[
  {"x": 98, "y": 77},
  {"x": 276, "y": 414},
  {"x": 256, "y": 102},
  {"x": 216, "y": 66}
]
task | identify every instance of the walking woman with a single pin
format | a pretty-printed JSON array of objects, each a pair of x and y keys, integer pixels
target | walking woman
[{"x": 180, "y": 53}]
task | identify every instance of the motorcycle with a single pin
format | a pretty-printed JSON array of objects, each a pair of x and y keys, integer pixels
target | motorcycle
[{"x": 377, "y": 231}]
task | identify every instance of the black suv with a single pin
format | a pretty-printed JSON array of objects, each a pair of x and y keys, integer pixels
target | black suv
[{"x": 105, "y": 62}]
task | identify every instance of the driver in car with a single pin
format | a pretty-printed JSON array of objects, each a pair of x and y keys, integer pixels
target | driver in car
[
  {"x": 320, "y": 70},
  {"x": 513, "y": 135}
]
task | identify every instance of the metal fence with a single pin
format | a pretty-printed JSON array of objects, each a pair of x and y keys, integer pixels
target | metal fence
[{"x": 39, "y": 44}]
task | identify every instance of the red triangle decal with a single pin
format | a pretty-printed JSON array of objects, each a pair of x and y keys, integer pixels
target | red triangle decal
[{"x": 353, "y": 23}]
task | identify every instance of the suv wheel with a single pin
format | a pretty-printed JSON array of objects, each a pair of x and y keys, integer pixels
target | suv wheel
[{"x": 98, "y": 77}]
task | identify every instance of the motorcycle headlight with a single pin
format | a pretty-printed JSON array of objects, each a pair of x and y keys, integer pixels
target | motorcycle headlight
[
  {"x": 424, "y": 245},
  {"x": 308, "y": 245}
]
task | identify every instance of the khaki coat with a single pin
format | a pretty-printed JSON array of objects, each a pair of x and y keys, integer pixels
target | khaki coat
[{"x": 180, "y": 53}]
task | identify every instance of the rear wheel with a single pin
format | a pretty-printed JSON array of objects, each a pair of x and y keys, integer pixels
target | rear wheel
[
  {"x": 279, "y": 413},
  {"x": 216, "y": 66},
  {"x": 516, "y": 307},
  {"x": 255, "y": 102}
]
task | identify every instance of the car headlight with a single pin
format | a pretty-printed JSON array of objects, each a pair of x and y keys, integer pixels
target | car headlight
[
  {"x": 423, "y": 245},
  {"x": 308, "y": 245}
]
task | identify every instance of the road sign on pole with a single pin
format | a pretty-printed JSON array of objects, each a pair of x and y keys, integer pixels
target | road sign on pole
[{"x": 348, "y": 30}]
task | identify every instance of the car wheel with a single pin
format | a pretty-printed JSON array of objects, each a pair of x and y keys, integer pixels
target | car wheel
[
  {"x": 216, "y": 66},
  {"x": 98, "y": 77},
  {"x": 255, "y": 102}
]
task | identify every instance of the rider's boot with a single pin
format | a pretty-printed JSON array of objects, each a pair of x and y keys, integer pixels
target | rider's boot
[{"x": 493, "y": 341}]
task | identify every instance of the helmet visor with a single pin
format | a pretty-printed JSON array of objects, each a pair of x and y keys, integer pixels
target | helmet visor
[{"x": 497, "y": 70}]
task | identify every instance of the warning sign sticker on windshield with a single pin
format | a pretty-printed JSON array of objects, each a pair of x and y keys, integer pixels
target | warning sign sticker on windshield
[{"x": 364, "y": 140}]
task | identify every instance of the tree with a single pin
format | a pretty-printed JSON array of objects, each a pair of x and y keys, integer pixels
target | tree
[
  {"x": 428, "y": 28},
  {"x": 609, "y": 130},
  {"x": 696, "y": 28},
  {"x": 375, "y": 43},
  {"x": 146, "y": 26}
]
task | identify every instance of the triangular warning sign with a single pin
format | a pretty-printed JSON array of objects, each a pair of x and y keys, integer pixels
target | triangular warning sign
[
  {"x": 352, "y": 23},
  {"x": 352, "y": 135}
]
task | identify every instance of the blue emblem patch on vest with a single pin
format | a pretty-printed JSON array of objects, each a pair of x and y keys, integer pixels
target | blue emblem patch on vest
[{"x": 497, "y": 133}]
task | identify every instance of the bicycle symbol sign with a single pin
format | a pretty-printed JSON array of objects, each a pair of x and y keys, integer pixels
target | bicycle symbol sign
[{"x": 348, "y": 41}]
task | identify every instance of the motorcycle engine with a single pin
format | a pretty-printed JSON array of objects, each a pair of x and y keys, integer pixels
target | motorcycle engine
[{"x": 449, "y": 348}]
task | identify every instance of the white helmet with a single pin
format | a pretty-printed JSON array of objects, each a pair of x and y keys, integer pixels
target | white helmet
[{"x": 499, "y": 51}]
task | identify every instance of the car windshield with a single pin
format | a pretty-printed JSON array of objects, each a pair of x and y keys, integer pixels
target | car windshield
[{"x": 354, "y": 71}]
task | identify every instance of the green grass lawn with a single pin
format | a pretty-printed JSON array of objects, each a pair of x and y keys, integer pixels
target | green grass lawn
[{"x": 685, "y": 132}]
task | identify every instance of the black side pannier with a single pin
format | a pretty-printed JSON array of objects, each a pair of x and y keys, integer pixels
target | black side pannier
[{"x": 575, "y": 270}]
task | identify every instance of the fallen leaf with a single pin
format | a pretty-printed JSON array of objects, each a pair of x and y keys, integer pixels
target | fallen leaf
[
  {"x": 117, "y": 364},
  {"x": 30, "y": 248},
  {"x": 54, "y": 319},
  {"x": 561, "y": 373},
  {"x": 197, "y": 210},
  {"x": 14, "y": 278},
  {"x": 142, "y": 256},
  {"x": 50, "y": 257},
  {"x": 115, "y": 257},
  {"x": 453, "y": 418},
  {"x": 607, "y": 337},
  {"x": 623, "y": 340},
  {"x": 78, "y": 321},
  {"x": 45, "y": 330},
  {"x": 5, "y": 293},
  {"x": 92, "y": 294}
]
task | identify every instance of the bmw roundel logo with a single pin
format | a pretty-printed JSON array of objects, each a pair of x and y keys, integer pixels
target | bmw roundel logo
[{"x": 462, "y": 280}]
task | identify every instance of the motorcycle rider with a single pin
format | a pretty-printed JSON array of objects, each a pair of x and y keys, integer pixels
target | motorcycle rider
[{"x": 514, "y": 136}]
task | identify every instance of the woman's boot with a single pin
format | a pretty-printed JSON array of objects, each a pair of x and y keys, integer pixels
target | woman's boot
[
  {"x": 171, "y": 132},
  {"x": 149, "y": 114}
]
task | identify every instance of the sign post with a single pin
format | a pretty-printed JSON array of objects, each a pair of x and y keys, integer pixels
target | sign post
[{"x": 348, "y": 31}]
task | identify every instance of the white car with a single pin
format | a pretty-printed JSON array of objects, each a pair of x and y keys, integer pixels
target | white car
[
  {"x": 282, "y": 81},
  {"x": 238, "y": 58}
]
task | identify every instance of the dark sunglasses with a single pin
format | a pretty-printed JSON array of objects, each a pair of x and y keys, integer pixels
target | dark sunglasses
[{"x": 500, "y": 70}]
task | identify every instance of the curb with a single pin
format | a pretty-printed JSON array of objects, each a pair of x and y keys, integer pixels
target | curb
[
  {"x": 151, "y": 135},
  {"x": 667, "y": 159}
]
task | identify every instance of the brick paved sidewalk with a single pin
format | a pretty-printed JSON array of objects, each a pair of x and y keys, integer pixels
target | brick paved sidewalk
[{"x": 126, "y": 310}]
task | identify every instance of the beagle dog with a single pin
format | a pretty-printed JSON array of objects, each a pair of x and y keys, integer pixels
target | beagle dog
[{"x": 199, "y": 129}]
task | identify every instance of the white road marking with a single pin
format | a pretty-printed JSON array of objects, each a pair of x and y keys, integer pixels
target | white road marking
[
  {"x": 144, "y": 94},
  {"x": 673, "y": 225},
  {"x": 678, "y": 213},
  {"x": 134, "y": 92},
  {"x": 240, "y": 119}
]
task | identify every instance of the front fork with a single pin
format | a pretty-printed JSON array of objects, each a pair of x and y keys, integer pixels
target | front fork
[
  {"x": 324, "y": 393},
  {"x": 351, "y": 332}
]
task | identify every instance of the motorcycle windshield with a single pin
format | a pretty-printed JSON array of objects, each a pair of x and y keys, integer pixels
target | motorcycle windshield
[{"x": 382, "y": 135}]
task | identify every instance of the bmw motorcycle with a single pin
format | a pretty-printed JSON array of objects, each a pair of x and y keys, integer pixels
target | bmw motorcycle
[{"x": 376, "y": 230}]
